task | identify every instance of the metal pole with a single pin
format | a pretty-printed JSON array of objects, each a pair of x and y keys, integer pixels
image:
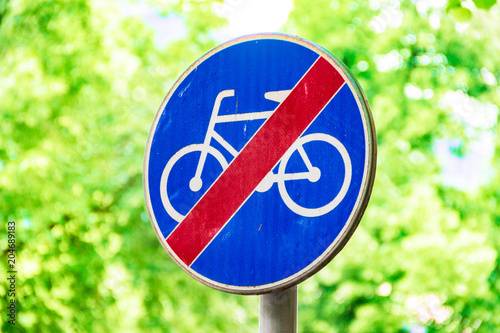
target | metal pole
[{"x": 278, "y": 311}]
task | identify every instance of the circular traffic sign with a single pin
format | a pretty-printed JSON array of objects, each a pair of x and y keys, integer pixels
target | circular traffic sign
[{"x": 259, "y": 163}]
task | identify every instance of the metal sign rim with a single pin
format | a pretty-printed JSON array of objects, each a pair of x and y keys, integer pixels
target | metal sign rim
[{"x": 363, "y": 196}]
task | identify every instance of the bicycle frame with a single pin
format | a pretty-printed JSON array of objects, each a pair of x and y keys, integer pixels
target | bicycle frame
[{"x": 313, "y": 174}]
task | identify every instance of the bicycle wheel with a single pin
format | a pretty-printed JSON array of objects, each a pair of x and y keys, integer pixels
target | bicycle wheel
[
  {"x": 326, "y": 208},
  {"x": 165, "y": 198}
]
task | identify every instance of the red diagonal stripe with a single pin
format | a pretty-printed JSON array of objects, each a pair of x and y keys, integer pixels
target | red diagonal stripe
[{"x": 257, "y": 158}]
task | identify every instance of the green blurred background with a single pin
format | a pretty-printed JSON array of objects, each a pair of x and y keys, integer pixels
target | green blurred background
[{"x": 81, "y": 81}]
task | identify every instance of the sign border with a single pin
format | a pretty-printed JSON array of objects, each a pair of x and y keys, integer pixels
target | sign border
[{"x": 363, "y": 196}]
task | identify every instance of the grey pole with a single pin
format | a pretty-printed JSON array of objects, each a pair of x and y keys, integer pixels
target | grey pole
[{"x": 278, "y": 311}]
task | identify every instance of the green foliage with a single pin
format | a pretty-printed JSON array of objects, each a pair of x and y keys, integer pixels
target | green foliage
[
  {"x": 462, "y": 14},
  {"x": 80, "y": 82},
  {"x": 484, "y": 4}
]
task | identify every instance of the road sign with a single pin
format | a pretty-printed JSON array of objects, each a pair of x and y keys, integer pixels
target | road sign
[{"x": 259, "y": 164}]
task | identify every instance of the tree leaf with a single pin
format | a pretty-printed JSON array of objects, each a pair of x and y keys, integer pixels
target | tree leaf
[
  {"x": 453, "y": 4},
  {"x": 461, "y": 14},
  {"x": 484, "y": 4}
]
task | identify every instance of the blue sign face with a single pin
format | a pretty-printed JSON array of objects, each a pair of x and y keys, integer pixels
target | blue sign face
[{"x": 259, "y": 164}]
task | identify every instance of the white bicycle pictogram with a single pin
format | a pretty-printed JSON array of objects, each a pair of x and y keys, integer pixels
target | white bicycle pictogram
[{"x": 313, "y": 174}]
